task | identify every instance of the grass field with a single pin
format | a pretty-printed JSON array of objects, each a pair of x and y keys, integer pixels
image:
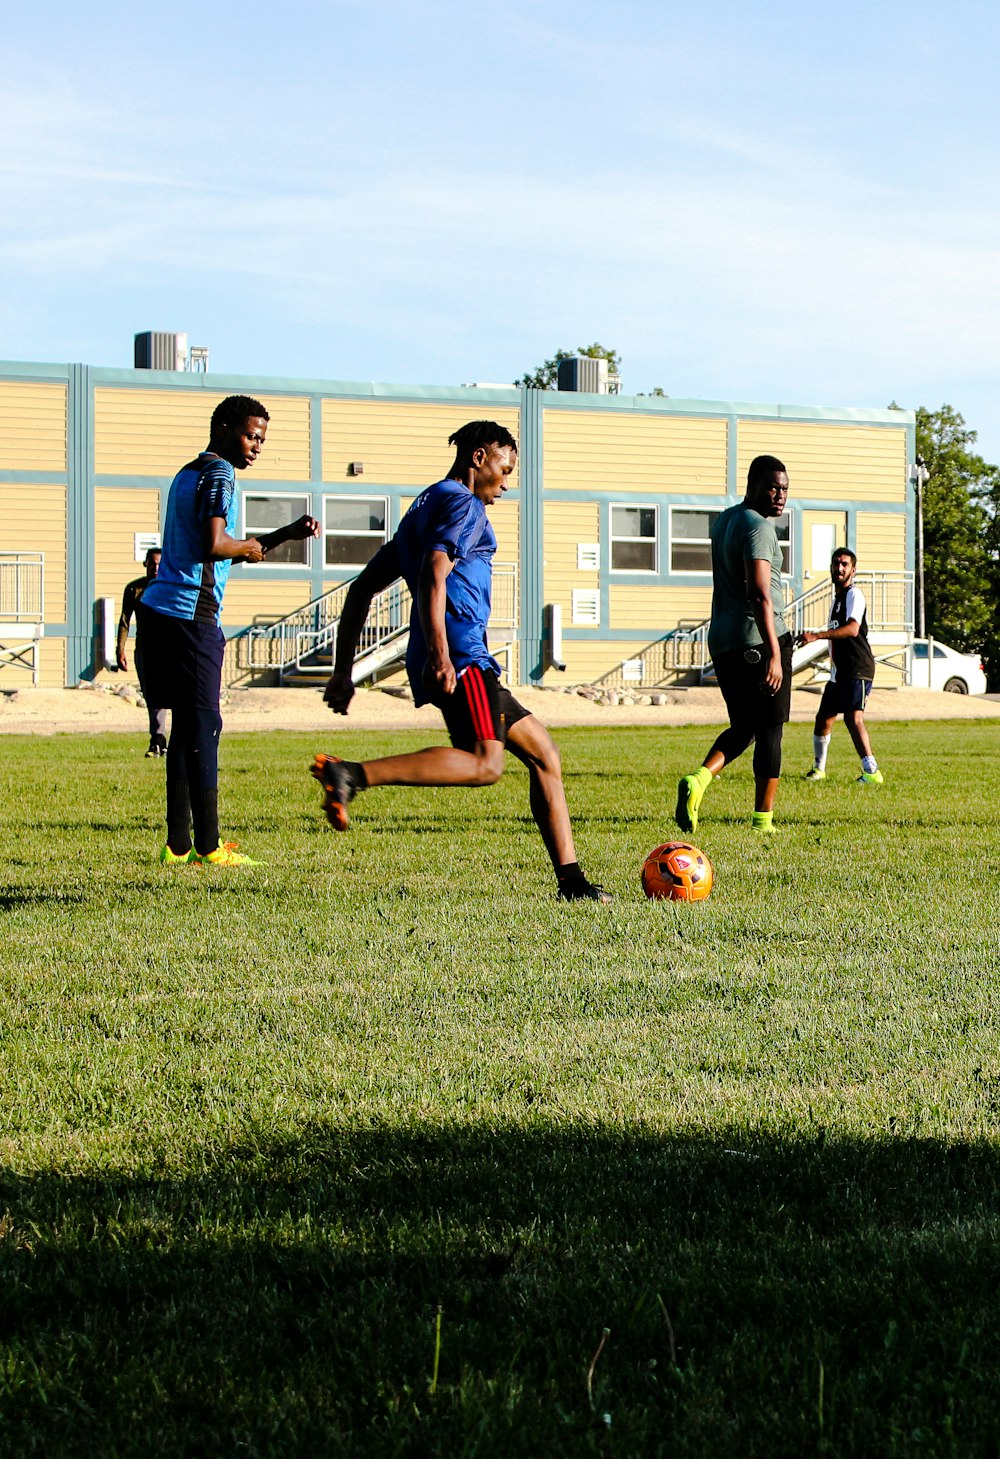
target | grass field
[{"x": 378, "y": 1150}]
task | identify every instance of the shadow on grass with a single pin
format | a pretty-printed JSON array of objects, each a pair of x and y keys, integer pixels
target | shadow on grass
[
  {"x": 12, "y": 897},
  {"x": 764, "y": 1297}
]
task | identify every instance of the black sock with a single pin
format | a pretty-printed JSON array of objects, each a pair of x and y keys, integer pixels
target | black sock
[
  {"x": 570, "y": 872},
  {"x": 356, "y": 773}
]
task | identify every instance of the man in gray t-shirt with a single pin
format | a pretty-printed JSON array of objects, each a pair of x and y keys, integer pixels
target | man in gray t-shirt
[{"x": 750, "y": 645}]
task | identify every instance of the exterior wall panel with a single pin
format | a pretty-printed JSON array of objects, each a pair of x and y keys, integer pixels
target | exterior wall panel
[
  {"x": 587, "y": 659},
  {"x": 658, "y": 607},
  {"x": 402, "y": 443},
  {"x": 881, "y": 541},
  {"x": 154, "y": 432},
  {"x": 565, "y": 525},
  {"x": 835, "y": 462},
  {"x": 631, "y": 452},
  {"x": 249, "y": 601},
  {"x": 120, "y": 512},
  {"x": 33, "y": 437}
]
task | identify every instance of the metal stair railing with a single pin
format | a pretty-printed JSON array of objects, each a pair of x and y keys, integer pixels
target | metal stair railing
[
  {"x": 684, "y": 650},
  {"x": 22, "y": 610},
  {"x": 292, "y": 644}
]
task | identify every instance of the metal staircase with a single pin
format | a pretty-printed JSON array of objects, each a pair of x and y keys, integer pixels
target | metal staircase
[
  {"x": 300, "y": 647},
  {"x": 682, "y": 654}
]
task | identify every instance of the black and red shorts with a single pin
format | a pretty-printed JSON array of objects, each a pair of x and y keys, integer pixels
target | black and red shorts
[{"x": 479, "y": 709}]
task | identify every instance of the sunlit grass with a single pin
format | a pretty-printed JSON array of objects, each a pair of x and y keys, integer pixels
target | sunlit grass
[{"x": 258, "y": 1126}]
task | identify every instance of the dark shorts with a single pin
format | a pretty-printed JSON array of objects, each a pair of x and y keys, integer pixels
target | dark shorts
[
  {"x": 182, "y": 660},
  {"x": 741, "y": 679},
  {"x": 841, "y": 698},
  {"x": 479, "y": 709}
]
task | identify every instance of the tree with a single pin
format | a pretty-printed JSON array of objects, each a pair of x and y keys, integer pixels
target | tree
[
  {"x": 544, "y": 378},
  {"x": 961, "y": 499}
]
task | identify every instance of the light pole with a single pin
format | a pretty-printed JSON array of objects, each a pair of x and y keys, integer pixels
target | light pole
[{"x": 920, "y": 476}]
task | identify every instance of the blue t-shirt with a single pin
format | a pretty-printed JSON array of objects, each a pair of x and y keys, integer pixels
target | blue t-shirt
[
  {"x": 187, "y": 586},
  {"x": 448, "y": 517}
]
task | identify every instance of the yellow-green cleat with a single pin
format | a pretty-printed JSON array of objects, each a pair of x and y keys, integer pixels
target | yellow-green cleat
[
  {"x": 167, "y": 857},
  {"x": 870, "y": 777},
  {"x": 225, "y": 854},
  {"x": 814, "y": 774},
  {"x": 689, "y": 793}
]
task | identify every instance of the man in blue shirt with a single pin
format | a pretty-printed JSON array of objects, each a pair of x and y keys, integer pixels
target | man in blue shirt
[
  {"x": 444, "y": 549},
  {"x": 182, "y": 640}
]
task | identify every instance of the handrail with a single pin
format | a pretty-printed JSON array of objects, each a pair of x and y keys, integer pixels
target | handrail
[
  {"x": 684, "y": 650},
  {"x": 288, "y": 644},
  {"x": 22, "y": 587}
]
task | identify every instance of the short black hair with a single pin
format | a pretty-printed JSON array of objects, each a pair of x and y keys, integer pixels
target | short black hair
[
  {"x": 762, "y": 468},
  {"x": 479, "y": 434},
  {"x": 236, "y": 409},
  {"x": 845, "y": 552},
  {"x": 151, "y": 552}
]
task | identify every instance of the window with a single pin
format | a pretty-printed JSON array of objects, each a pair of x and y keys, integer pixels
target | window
[
  {"x": 354, "y": 528},
  {"x": 690, "y": 545},
  {"x": 633, "y": 539},
  {"x": 262, "y": 514},
  {"x": 783, "y": 527}
]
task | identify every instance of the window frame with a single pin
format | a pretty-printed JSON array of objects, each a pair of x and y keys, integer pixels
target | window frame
[
  {"x": 645, "y": 572},
  {"x": 353, "y": 496},
  {"x": 707, "y": 541},
  {"x": 249, "y": 494}
]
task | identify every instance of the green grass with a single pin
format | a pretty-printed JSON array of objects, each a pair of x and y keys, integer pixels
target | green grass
[{"x": 278, "y": 1144}]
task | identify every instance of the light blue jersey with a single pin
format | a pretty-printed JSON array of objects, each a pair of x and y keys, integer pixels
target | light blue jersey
[{"x": 187, "y": 586}]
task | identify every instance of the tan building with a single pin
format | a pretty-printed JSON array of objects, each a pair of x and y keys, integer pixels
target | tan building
[{"x": 603, "y": 537}]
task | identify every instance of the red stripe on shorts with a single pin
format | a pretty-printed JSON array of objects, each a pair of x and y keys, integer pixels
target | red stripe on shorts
[{"x": 479, "y": 704}]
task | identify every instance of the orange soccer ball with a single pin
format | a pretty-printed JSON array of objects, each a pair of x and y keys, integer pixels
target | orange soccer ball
[{"x": 677, "y": 872}]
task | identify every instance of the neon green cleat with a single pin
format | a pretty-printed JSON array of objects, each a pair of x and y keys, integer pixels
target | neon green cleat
[
  {"x": 814, "y": 774},
  {"x": 689, "y": 793},
  {"x": 225, "y": 854},
  {"x": 870, "y": 777},
  {"x": 167, "y": 857}
]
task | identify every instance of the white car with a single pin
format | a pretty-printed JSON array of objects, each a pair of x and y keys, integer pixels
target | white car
[{"x": 947, "y": 669}]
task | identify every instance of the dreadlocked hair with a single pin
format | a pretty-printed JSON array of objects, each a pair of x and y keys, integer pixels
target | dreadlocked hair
[
  {"x": 479, "y": 434},
  {"x": 236, "y": 409}
]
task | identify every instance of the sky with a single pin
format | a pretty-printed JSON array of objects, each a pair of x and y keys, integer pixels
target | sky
[{"x": 771, "y": 202}]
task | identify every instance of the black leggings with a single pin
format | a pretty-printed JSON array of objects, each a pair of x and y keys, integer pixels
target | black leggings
[
  {"x": 767, "y": 748},
  {"x": 193, "y": 780}
]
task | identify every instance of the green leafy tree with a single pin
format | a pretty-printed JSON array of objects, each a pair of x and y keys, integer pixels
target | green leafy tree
[
  {"x": 544, "y": 378},
  {"x": 961, "y": 498}
]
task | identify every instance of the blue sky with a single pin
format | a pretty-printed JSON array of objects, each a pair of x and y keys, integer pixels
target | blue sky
[{"x": 757, "y": 202}]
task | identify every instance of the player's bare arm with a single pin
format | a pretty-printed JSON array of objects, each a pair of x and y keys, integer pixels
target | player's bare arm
[
  {"x": 379, "y": 574},
  {"x": 296, "y": 531},
  {"x": 432, "y": 599},
  {"x": 219, "y": 546},
  {"x": 758, "y": 575},
  {"x": 850, "y": 629}
]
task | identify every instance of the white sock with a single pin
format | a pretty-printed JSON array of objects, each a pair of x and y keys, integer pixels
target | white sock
[
  {"x": 869, "y": 764},
  {"x": 821, "y": 748}
]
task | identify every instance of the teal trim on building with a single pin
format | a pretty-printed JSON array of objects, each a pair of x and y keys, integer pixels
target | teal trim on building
[
  {"x": 532, "y": 537},
  {"x": 81, "y": 587}
]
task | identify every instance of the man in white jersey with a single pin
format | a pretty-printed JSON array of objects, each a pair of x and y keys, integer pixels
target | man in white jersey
[{"x": 852, "y": 672}]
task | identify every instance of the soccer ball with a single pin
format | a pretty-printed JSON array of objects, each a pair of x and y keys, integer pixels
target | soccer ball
[{"x": 677, "y": 872}]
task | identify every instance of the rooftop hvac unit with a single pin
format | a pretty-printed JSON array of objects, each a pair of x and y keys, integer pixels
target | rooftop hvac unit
[
  {"x": 583, "y": 372},
  {"x": 155, "y": 350}
]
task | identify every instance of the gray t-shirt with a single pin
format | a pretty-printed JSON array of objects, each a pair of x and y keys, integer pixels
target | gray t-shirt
[{"x": 739, "y": 536}]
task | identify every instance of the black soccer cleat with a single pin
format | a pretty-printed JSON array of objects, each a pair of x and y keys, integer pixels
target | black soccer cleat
[
  {"x": 338, "y": 788},
  {"x": 579, "y": 889}
]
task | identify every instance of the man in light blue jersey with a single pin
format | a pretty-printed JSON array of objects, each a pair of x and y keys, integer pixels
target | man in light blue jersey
[
  {"x": 182, "y": 640},
  {"x": 444, "y": 550}
]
